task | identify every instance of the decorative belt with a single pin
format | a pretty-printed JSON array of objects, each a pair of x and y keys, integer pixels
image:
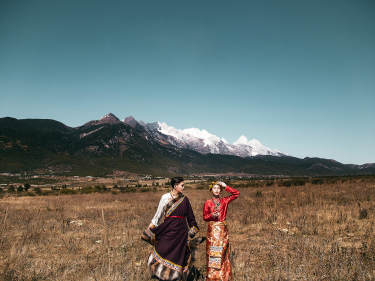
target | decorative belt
[
  {"x": 177, "y": 217},
  {"x": 217, "y": 222}
]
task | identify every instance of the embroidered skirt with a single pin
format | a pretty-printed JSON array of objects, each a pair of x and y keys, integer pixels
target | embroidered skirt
[
  {"x": 170, "y": 257},
  {"x": 217, "y": 252}
]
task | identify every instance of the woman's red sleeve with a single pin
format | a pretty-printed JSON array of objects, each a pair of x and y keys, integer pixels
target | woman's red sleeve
[
  {"x": 235, "y": 193},
  {"x": 207, "y": 214}
]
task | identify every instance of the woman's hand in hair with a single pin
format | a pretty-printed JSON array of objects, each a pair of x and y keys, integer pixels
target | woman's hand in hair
[{"x": 222, "y": 184}]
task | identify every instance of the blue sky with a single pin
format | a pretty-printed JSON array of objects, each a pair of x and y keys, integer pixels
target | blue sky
[{"x": 297, "y": 75}]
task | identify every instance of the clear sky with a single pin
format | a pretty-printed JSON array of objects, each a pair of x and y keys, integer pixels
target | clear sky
[{"x": 297, "y": 75}]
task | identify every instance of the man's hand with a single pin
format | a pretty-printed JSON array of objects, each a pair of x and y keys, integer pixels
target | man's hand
[{"x": 151, "y": 226}]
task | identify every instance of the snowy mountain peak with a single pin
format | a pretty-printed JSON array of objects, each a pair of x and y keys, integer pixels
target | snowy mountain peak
[
  {"x": 190, "y": 134},
  {"x": 257, "y": 147},
  {"x": 243, "y": 140},
  {"x": 204, "y": 142},
  {"x": 169, "y": 130}
]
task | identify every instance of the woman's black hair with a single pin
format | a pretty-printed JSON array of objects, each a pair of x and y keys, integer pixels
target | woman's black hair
[{"x": 176, "y": 180}]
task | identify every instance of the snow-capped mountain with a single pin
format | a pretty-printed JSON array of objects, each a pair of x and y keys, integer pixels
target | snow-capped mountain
[
  {"x": 204, "y": 142},
  {"x": 199, "y": 140},
  {"x": 253, "y": 147}
]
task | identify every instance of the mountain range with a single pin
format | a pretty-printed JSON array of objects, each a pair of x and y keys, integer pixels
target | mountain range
[{"x": 102, "y": 146}]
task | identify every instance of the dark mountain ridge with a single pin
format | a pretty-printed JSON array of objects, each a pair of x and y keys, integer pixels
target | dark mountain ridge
[{"x": 100, "y": 146}]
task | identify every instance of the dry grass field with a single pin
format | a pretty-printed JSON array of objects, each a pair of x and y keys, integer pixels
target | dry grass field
[{"x": 310, "y": 232}]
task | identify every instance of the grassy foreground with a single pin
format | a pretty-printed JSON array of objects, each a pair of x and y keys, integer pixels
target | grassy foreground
[{"x": 310, "y": 232}]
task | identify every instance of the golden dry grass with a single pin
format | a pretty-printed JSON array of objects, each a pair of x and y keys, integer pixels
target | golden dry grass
[{"x": 277, "y": 233}]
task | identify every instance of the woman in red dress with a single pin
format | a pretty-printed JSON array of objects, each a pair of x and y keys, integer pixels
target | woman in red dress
[{"x": 217, "y": 245}]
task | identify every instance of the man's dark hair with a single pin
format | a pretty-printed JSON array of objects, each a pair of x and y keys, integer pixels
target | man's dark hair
[{"x": 176, "y": 180}]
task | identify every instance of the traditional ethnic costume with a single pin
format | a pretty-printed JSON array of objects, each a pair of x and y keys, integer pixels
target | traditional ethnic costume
[
  {"x": 217, "y": 243},
  {"x": 170, "y": 257}
]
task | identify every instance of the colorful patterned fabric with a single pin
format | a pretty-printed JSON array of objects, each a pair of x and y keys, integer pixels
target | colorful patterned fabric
[
  {"x": 160, "y": 270},
  {"x": 217, "y": 252},
  {"x": 148, "y": 236},
  {"x": 173, "y": 205}
]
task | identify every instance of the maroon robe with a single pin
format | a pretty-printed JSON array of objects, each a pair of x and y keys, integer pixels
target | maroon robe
[{"x": 169, "y": 258}]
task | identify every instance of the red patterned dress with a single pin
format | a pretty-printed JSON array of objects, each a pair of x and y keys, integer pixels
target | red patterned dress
[{"x": 217, "y": 246}]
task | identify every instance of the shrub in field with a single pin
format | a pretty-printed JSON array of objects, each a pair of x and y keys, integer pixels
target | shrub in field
[
  {"x": 68, "y": 191},
  {"x": 269, "y": 183},
  {"x": 97, "y": 188},
  {"x": 37, "y": 190},
  {"x": 127, "y": 189},
  {"x": 317, "y": 181},
  {"x": 100, "y": 188},
  {"x": 47, "y": 192},
  {"x": 87, "y": 190},
  {"x": 299, "y": 182},
  {"x": 292, "y": 182},
  {"x": 26, "y": 186},
  {"x": 11, "y": 189},
  {"x": 285, "y": 183},
  {"x": 363, "y": 214}
]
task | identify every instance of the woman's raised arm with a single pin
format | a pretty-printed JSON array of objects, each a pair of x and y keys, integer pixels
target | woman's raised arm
[{"x": 234, "y": 193}]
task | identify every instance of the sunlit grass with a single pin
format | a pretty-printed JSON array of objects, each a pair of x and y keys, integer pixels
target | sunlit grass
[{"x": 310, "y": 232}]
